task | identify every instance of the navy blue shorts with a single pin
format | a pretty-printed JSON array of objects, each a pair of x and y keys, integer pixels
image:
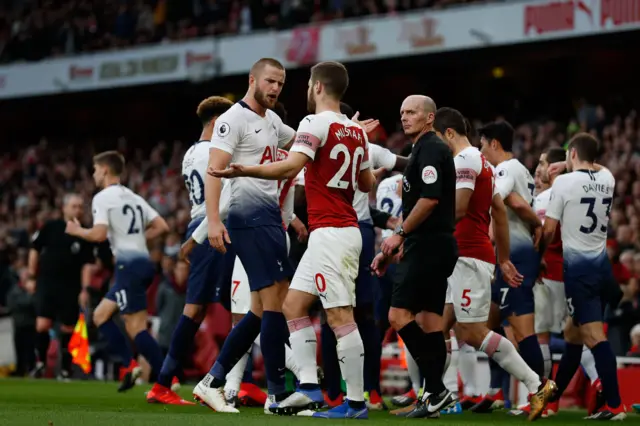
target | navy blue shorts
[
  {"x": 383, "y": 294},
  {"x": 517, "y": 301},
  {"x": 585, "y": 284},
  {"x": 263, "y": 253},
  {"x": 206, "y": 271},
  {"x": 129, "y": 289},
  {"x": 365, "y": 282}
]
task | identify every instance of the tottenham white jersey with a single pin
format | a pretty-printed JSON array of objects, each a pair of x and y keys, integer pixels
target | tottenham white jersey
[
  {"x": 379, "y": 157},
  {"x": 388, "y": 200},
  {"x": 251, "y": 139},
  {"x": 513, "y": 176},
  {"x": 194, "y": 172},
  {"x": 126, "y": 214},
  {"x": 581, "y": 201}
]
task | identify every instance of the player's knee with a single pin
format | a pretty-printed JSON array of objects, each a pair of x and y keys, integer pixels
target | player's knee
[
  {"x": 292, "y": 309},
  {"x": 398, "y": 318},
  {"x": 544, "y": 338},
  {"x": 195, "y": 312},
  {"x": 135, "y": 323},
  {"x": 337, "y": 317},
  {"x": 471, "y": 334},
  {"x": 592, "y": 334},
  {"x": 100, "y": 316}
]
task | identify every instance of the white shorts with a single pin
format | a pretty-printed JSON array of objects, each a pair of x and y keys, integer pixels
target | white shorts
[
  {"x": 550, "y": 306},
  {"x": 469, "y": 289},
  {"x": 329, "y": 267},
  {"x": 240, "y": 291}
]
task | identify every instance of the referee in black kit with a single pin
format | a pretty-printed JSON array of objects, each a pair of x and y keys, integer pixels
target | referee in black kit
[
  {"x": 57, "y": 265},
  {"x": 428, "y": 252}
]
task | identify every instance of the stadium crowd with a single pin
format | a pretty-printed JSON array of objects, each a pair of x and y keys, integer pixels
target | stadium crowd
[
  {"x": 32, "y": 30},
  {"x": 33, "y": 182}
]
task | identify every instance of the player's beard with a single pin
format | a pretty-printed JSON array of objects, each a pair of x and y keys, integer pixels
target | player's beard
[
  {"x": 263, "y": 100},
  {"x": 311, "y": 102}
]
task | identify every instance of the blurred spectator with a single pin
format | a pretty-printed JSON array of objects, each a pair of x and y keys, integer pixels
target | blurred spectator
[{"x": 634, "y": 335}]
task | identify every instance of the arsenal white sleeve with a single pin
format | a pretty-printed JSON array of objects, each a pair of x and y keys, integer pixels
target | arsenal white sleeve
[
  {"x": 381, "y": 157},
  {"x": 504, "y": 181},
  {"x": 468, "y": 167},
  {"x": 311, "y": 134},
  {"x": 228, "y": 132},
  {"x": 556, "y": 199},
  {"x": 100, "y": 209}
]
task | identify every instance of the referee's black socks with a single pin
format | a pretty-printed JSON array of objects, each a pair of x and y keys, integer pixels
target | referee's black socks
[
  {"x": 429, "y": 352},
  {"x": 65, "y": 338},
  {"x": 42, "y": 345}
]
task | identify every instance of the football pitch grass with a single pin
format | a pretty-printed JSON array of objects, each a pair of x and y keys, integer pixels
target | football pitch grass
[{"x": 51, "y": 403}]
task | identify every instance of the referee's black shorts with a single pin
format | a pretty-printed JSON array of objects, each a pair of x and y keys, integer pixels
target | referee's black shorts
[
  {"x": 420, "y": 281},
  {"x": 58, "y": 301}
]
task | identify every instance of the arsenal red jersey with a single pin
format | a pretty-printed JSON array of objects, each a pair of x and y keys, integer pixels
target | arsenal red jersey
[
  {"x": 472, "y": 231},
  {"x": 338, "y": 148},
  {"x": 553, "y": 255}
]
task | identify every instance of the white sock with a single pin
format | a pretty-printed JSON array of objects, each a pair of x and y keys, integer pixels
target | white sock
[
  {"x": 450, "y": 376},
  {"x": 447, "y": 360},
  {"x": 546, "y": 356},
  {"x": 303, "y": 344},
  {"x": 290, "y": 362},
  {"x": 589, "y": 364},
  {"x": 505, "y": 354},
  {"x": 351, "y": 357},
  {"x": 467, "y": 361},
  {"x": 234, "y": 377},
  {"x": 414, "y": 371}
]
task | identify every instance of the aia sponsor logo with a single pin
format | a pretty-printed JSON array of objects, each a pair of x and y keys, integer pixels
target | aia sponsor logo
[{"x": 558, "y": 16}]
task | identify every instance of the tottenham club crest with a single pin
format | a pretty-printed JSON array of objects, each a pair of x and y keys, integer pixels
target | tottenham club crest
[{"x": 222, "y": 130}]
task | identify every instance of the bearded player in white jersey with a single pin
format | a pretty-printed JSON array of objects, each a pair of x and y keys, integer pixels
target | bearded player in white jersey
[
  {"x": 249, "y": 133},
  {"x": 581, "y": 202},
  {"x": 516, "y": 187},
  {"x": 206, "y": 265},
  {"x": 127, "y": 221}
]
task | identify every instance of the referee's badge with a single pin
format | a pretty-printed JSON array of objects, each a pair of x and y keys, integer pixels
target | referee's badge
[
  {"x": 75, "y": 247},
  {"x": 222, "y": 129},
  {"x": 429, "y": 175}
]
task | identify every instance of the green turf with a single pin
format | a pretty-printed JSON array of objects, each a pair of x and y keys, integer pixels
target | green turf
[{"x": 34, "y": 403}]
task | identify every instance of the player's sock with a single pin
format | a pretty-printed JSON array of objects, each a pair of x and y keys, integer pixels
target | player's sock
[
  {"x": 589, "y": 364},
  {"x": 569, "y": 364},
  {"x": 608, "y": 372},
  {"x": 427, "y": 352},
  {"x": 496, "y": 376},
  {"x": 290, "y": 362},
  {"x": 118, "y": 343},
  {"x": 330, "y": 363},
  {"x": 273, "y": 337},
  {"x": 447, "y": 360},
  {"x": 372, "y": 353},
  {"x": 531, "y": 353},
  {"x": 149, "y": 349},
  {"x": 546, "y": 358},
  {"x": 450, "y": 376},
  {"x": 502, "y": 351},
  {"x": 234, "y": 378},
  {"x": 351, "y": 358},
  {"x": 304, "y": 344},
  {"x": 467, "y": 360},
  {"x": 414, "y": 372},
  {"x": 181, "y": 340},
  {"x": 66, "y": 365},
  {"x": 42, "y": 345},
  {"x": 237, "y": 344}
]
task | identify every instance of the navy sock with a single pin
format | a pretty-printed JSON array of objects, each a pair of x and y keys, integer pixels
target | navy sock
[
  {"x": 181, "y": 341},
  {"x": 372, "y": 353},
  {"x": 149, "y": 349},
  {"x": 531, "y": 353},
  {"x": 569, "y": 364},
  {"x": 608, "y": 372},
  {"x": 117, "y": 342},
  {"x": 235, "y": 346},
  {"x": 274, "y": 334},
  {"x": 248, "y": 371},
  {"x": 330, "y": 363}
]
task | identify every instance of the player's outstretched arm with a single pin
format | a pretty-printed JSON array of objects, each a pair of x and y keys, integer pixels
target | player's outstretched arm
[
  {"x": 96, "y": 234},
  {"x": 278, "y": 170}
]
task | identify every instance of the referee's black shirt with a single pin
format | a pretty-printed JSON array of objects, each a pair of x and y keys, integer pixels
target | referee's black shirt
[
  {"x": 61, "y": 255},
  {"x": 431, "y": 173}
]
